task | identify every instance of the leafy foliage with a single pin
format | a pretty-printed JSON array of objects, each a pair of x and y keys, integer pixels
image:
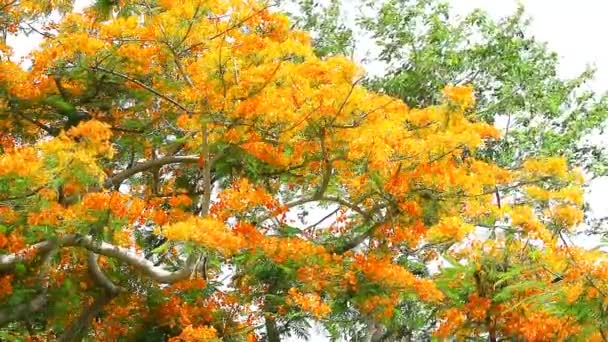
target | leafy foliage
[{"x": 162, "y": 167}]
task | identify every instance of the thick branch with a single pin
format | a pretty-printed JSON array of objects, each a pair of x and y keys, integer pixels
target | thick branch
[
  {"x": 38, "y": 302},
  {"x": 7, "y": 262},
  {"x": 50, "y": 130},
  {"x": 99, "y": 276},
  {"x": 147, "y": 165},
  {"x": 125, "y": 255},
  {"x": 20, "y": 311},
  {"x": 326, "y": 170},
  {"x": 272, "y": 331},
  {"x": 77, "y": 330},
  {"x": 206, "y": 201},
  {"x": 355, "y": 240}
]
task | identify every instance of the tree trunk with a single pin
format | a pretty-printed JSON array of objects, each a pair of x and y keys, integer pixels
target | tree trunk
[{"x": 272, "y": 332}]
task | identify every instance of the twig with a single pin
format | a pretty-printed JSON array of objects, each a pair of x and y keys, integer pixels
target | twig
[{"x": 145, "y": 86}]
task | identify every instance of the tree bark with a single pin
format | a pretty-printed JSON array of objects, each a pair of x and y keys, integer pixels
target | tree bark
[
  {"x": 77, "y": 330},
  {"x": 21, "y": 311},
  {"x": 272, "y": 332},
  {"x": 159, "y": 274}
]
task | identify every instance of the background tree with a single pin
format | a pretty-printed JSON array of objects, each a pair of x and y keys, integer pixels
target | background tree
[{"x": 160, "y": 161}]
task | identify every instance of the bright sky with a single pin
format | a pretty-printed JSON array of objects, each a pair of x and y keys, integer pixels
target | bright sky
[{"x": 574, "y": 29}]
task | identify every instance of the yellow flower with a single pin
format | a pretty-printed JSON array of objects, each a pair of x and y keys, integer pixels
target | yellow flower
[
  {"x": 196, "y": 334},
  {"x": 552, "y": 167},
  {"x": 460, "y": 95},
  {"x": 566, "y": 215},
  {"x": 207, "y": 232},
  {"x": 449, "y": 228},
  {"x": 96, "y": 133},
  {"x": 573, "y": 292}
]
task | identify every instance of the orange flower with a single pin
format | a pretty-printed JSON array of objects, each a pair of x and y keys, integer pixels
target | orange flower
[
  {"x": 196, "y": 334},
  {"x": 3, "y": 241},
  {"x": 160, "y": 217},
  {"x": 207, "y": 232},
  {"x": 477, "y": 307},
  {"x": 573, "y": 292},
  {"x": 180, "y": 200},
  {"x": 453, "y": 318},
  {"x": 6, "y": 287},
  {"x": 388, "y": 274},
  {"x": 310, "y": 302},
  {"x": 96, "y": 200}
]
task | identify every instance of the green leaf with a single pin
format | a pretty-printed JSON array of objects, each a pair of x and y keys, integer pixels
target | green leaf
[
  {"x": 20, "y": 268},
  {"x": 511, "y": 290},
  {"x": 161, "y": 249},
  {"x": 287, "y": 230}
]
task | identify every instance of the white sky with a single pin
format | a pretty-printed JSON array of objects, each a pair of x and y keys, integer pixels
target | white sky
[{"x": 574, "y": 29}]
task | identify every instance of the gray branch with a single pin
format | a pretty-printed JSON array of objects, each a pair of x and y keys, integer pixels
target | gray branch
[
  {"x": 147, "y": 165},
  {"x": 9, "y": 261}
]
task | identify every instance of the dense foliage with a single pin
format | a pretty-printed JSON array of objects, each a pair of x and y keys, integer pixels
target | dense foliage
[
  {"x": 197, "y": 171},
  {"x": 422, "y": 45}
]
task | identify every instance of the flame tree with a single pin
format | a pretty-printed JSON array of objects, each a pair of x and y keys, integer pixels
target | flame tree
[{"x": 192, "y": 171}]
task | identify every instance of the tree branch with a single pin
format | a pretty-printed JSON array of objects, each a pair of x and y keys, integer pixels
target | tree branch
[
  {"x": 326, "y": 170},
  {"x": 356, "y": 240},
  {"x": 99, "y": 276},
  {"x": 50, "y": 130},
  {"x": 147, "y": 165},
  {"x": 79, "y": 328},
  {"x": 230, "y": 28},
  {"x": 38, "y": 302},
  {"x": 143, "y": 85},
  {"x": 206, "y": 200},
  {"x": 18, "y": 312},
  {"x": 8, "y": 261}
]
